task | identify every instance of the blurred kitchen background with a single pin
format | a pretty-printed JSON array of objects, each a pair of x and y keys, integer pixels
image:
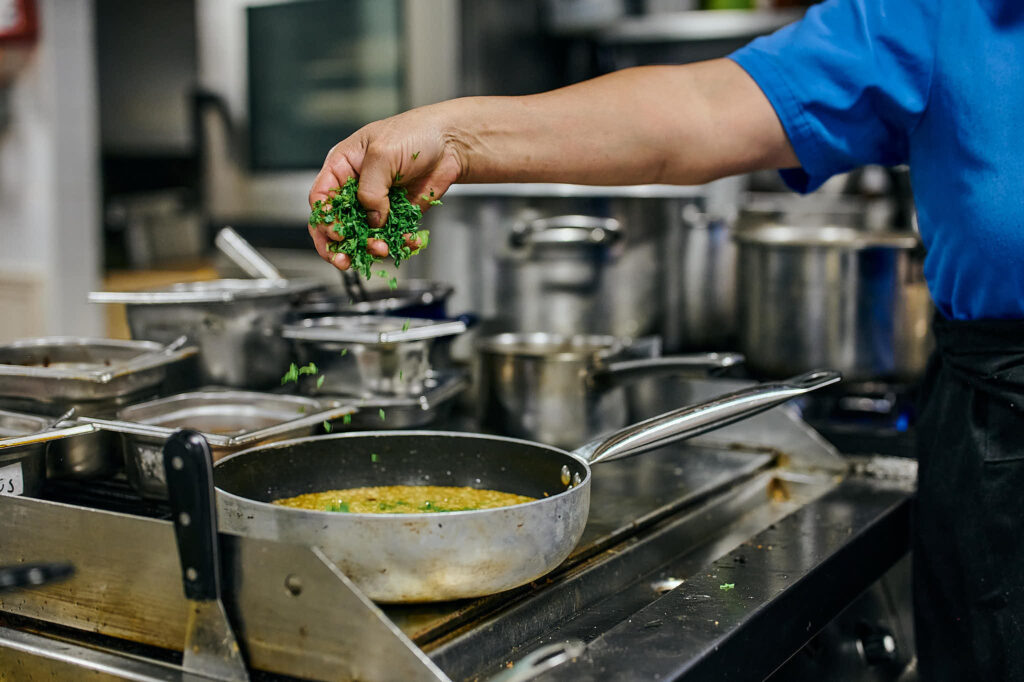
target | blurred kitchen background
[{"x": 133, "y": 131}]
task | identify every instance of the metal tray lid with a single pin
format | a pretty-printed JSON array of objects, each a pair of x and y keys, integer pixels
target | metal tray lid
[
  {"x": 211, "y": 291},
  {"x": 371, "y": 329},
  {"x": 225, "y": 417},
  {"x": 65, "y": 367}
]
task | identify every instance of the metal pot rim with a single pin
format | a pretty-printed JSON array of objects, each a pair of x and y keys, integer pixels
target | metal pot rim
[
  {"x": 552, "y": 346},
  {"x": 826, "y": 236},
  {"x": 450, "y": 435}
]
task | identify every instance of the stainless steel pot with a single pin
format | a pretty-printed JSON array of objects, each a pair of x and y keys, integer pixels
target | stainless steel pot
[
  {"x": 700, "y": 283},
  {"x": 574, "y": 274},
  {"x": 235, "y": 323},
  {"x": 565, "y": 390},
  {"x": 454, "y": 555},
  {"x": 835, "y": 296},
  {"x": 369, "y": 355}
]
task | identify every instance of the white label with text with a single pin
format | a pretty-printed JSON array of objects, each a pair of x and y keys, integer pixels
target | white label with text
[{"x": 11, "y": 480}]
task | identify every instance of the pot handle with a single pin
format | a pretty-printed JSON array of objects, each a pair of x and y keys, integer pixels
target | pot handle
[
  {"x": 693, "y": 420},
  {"x": 625, "y": 371},
  {"x": 244, "y": 255},
  {"x": 567, "y": 229}
]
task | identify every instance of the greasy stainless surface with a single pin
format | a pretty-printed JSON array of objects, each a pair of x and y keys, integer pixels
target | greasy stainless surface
[
  {"x": 297, "y": 614},
  {"x": 22, "y": 468},
  {"x": 807, "y": 566},
  {"x": 64, "y": 369},
  {"x": 700, "y": 282},
  {"x": 236, "y": 324},
  {"x": 564, "y": 390},
  {"x": 837, "y": 297},
  {"x": 441, "y": 391},
  {"x": 427, "y": 557},
  {"x": 210, "y": 648},
  {"x": 370, "y": 355},
  {"x": 228, "y": 420},
  {"x": 242, "y": 253}
]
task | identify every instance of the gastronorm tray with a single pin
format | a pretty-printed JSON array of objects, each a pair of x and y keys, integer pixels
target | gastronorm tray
[
  {"x": 61, "y": 369},
  {"x": 229, "y": 420}
]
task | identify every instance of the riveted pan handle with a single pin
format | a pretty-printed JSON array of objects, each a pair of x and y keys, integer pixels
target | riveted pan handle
[{"x": 693, "y": 420}]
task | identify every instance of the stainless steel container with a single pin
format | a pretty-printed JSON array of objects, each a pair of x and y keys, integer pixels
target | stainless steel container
[
  {"x": 848, "y": 299},
  {"x": 564, "y": 390},
  {"x": 369, "y": 355},
  {"x": 49, "y": 375},
  {"x": 22, "y": 469},
  {"x": 229, "y": 420},
  {"x": 700, "y": 283},
  {"x": 578, "y": 274},
  {"x": 235, "y": 323}
]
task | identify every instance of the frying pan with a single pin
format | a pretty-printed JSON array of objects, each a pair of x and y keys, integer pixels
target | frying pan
[{"x": 453, "y": 555}]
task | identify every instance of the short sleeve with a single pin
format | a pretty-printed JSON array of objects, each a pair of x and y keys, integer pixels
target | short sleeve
[{"x": 849, "y": 82}]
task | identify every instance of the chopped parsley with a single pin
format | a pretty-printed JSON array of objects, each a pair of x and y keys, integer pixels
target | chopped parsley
[
  {"x": 381, "y": 413},
  {"x": 347, "y": 419},
  {"x": 725, "y": 587},
  {"x": 340, "y": 506},
  {"x": 327, "y": 427},
  {"x": 374, "y": 457},
  {"x": 415, "y": 155},
  {"x": 320, "y": 381},
  {"x": 347, "y": 217},
  {"x": 405, "y": 327}
]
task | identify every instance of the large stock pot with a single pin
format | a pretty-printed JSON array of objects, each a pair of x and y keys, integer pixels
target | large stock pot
[
  {"x": 835, "y": 296},
  {"x": 557, "y": 258}
]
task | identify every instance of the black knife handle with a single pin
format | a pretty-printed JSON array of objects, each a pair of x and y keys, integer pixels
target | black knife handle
[
  {"x": 33, "y": 575},
  {"x": 188, "y": 466}
]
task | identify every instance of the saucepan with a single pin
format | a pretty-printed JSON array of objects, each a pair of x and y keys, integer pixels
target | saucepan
[
  {"x": 425, "y": 557},
  {"x": 564, "y": 390}
]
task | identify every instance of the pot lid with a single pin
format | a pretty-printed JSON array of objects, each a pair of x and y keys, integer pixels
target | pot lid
[
  {"x": 211, "y": 291},
  {"x": 371, "y": 329}
]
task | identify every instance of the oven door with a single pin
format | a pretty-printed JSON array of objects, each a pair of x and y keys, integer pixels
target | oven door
[{"x": 281, "y": 82}]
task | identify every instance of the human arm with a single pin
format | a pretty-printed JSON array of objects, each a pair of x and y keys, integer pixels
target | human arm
[{"x": 660, "y": 124}]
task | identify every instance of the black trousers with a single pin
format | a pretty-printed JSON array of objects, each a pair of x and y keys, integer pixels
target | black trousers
[{"x": 968, "y": 545}]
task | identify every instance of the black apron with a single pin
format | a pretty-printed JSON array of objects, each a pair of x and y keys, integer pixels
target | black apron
[{"x": 968, "y": 545}]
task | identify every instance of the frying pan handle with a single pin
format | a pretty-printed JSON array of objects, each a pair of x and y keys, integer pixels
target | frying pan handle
[
  {"x": 693, "y": 420},
  {"x": 189, "y": 472}
]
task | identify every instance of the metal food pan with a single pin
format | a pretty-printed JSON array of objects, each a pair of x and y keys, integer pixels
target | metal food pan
[
  {"x": 229, "y": 420},
  {"x": 64, "y": 369},
  {"x": 402, "y": 412}
]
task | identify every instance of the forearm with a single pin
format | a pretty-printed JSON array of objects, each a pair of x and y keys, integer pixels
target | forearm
[{"x": 671, "y": 124}]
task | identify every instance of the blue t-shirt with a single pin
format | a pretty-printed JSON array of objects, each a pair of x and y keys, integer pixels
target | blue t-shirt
[{"x": 937, "y": 84}]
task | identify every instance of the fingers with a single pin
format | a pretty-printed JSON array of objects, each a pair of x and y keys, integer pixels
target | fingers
[
  {"x": 412, "y": 241},
  {"x": 380, "y": 168},
  {"x": 377, "y": 247},
  {"x": 338, "y": 260}
]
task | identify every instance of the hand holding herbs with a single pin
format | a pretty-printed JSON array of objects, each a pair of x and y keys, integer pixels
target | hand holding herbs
[{"x": 354, "y": 243}]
